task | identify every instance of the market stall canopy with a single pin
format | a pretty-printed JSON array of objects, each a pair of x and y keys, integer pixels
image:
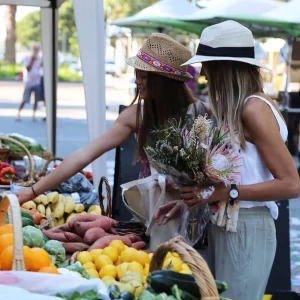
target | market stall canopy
[
  {"x": 245, "y": 12},
  {"x": 290, "y": 12},
  {"x": 162, "y": 16}
]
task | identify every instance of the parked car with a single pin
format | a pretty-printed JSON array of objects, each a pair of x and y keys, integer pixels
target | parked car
[{"x": 110, "y": 67}]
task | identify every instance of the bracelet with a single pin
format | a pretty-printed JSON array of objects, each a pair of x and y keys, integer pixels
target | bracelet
[{"x": 33, "y": 191}]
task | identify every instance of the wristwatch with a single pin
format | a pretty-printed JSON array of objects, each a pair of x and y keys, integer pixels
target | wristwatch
[{"x": 233, "y": 194}]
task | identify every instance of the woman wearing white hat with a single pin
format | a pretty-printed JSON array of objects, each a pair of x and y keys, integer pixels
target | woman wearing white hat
[
  {"x": 160, "y": 80},
  {"x": 242, "y": 238}
]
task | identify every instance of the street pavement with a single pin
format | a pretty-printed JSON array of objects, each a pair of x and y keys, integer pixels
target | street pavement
[{"x": 72, "y": 129}]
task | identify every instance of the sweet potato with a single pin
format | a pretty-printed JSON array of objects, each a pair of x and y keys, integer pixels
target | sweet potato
[
  {"x": 105, "y": 241},
  {"x": 73, "y": 247},
  {"x": 82, "y": 218},
  {"x": 103, "y": 222},
  {"x": 138, "y": 245},
  {"x": 52, "y": 235},
  {"x": 73, "y": 237},
  {"x": 93, "y": 234},
  {"x": 134, "y": 238}
]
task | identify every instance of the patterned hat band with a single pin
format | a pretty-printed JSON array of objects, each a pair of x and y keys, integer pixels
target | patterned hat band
[{"x": 159, "y": 65}]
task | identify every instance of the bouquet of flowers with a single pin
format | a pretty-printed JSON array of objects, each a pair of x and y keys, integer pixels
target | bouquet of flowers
[{"x": 194, "y": 154}]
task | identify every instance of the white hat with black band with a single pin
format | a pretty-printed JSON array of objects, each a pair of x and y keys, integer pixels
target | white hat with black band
[{"x": 228, "y": 40}]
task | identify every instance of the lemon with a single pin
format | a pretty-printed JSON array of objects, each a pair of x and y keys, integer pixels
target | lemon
[
  {"x": 146, "y": 269},
  {"x": 93, "y": 273},
  {"x": 121, "y": 269},
  {"x": 185, "y": 271},
  {"x": 108, "y": 270},
  {"x": 185, "y": 267},
  {"x": 128, "y": 255},
  {"x": 175, "y": 254},
  {"x": 118, "y": 261},
  {"x": 101, "y": 261},
  {"x": 89, "y": 265},
  {"x": 136, "y": 267},
  {"x": 119, "y": 245},
  {"x": 95, "y": 253},
  {"x": 173, "y": 264},
  {"x": 142, "y": 257},
  {"x": 169, "y": 255},
  {"x": 150, "y": 256},
  {"x": 107, "y": 278},
  {"x": 111, "y": 252},
  {"x": 84, "y": 257}
]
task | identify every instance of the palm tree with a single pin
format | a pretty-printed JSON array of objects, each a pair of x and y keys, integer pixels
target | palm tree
[{"x": 10, "y": 43}]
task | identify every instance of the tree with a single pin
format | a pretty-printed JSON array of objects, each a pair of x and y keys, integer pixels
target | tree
[
  {"x": 10, "y": 43},
  {"x": 29, "y": 29},
  {"x": 115, "y": 9}
]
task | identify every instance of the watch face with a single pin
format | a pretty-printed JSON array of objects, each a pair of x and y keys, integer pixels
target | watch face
[{"x": 233, "y": 194}]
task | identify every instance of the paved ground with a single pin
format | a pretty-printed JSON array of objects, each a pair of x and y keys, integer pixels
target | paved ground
[{"x": 72, "y": 133}]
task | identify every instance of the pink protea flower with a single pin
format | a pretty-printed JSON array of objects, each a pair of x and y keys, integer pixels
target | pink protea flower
[{"x": 223, "y": 164}]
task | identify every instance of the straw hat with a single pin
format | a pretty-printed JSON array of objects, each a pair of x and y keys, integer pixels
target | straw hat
[
  {"x": 163, "y": 55},
  {"x": 228, "y": 40}
]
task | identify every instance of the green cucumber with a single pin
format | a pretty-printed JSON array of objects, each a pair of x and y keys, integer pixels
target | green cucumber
[
  {"x": 26, "y": 214},
  {"x": 26, "y": 222}
]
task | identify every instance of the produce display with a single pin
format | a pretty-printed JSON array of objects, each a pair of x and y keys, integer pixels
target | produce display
[
  {"x": 59, "y": 209},
  {"x": 7, "y": 173},
  {"x": 90, "y": 231},
  {"x": 32, "y": 148},
  {"x": 36, "y": 258}
]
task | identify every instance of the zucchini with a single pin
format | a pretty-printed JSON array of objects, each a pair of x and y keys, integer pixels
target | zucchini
[
  {"x": 163, "y": 281},
  {"x": 26, "y": 214},
  {"x": 127, "y": 296},
  {"x": 26, "y": 222},
  {"x": 221, "y": 286}
]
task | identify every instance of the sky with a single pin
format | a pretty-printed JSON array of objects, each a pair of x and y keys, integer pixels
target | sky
[{"x": 21, "y": 12}]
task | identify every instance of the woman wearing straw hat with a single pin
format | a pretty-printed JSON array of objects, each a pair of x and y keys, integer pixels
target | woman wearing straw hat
[
  {"x": 242, "y": 238},
  {"x": 160, "y": 80}
]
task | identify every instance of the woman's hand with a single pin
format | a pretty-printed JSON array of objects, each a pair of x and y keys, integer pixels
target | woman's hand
[
  {"x": 24, "y": 195},
  {"x": 193, "y": 199},
  {"x": 168, "y": 211}
]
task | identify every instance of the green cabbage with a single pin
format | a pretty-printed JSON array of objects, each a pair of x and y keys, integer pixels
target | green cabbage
[
  {"x": 33, "y": 237},
  {"x": 56, "y": 251}
]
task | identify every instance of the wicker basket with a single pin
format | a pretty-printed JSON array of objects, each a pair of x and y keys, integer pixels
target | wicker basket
[
  {"x": 193, "y": 259},
  {"x": 20, "y": 156},
  {"x": 30, "y": 180},
  {"x": 3, "y": 153},
  {"x": 9, "y": 204}
]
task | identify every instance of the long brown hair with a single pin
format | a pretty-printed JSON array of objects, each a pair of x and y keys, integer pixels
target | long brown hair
[
  {"x": 229, "y": 84},
  {"x": 166, "y": 98}
]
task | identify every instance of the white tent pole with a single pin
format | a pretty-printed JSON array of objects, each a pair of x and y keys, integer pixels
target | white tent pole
[
  {"x": 91, "y": 36},
  {"x": 49, "y": 46}
]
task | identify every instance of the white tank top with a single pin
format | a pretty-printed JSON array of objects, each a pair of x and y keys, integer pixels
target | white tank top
[{"x": 254, "y": 170}]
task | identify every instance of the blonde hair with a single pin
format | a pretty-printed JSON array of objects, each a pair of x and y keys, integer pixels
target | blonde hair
[{"x": 229, "y": 84}]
